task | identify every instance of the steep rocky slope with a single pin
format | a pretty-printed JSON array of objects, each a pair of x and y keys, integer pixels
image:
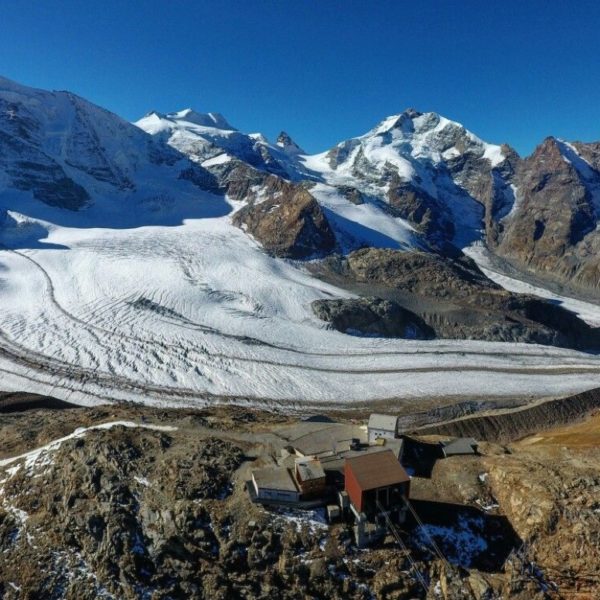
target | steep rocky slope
[{"x": 552, "y": 228}]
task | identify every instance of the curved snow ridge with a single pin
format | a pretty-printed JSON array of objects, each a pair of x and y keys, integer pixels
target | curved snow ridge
[{"x": 31, "y": 457}]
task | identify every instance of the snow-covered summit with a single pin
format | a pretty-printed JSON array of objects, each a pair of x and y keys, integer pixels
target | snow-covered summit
[
  {"x": 210, "y": 140},
  {"x": 155, "y": 121},
  {"x": 210, "y": 119},
  {"x": 59, "y": 151},
  {"x": 428, "y": 137},
  {"x": 423, "y": 165}
]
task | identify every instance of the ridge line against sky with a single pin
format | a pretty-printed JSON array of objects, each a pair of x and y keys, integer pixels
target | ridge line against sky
[{"x": 513, "y": 72}]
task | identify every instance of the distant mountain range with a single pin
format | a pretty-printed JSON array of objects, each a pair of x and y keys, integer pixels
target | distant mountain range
[
  {"x": 394, "y": 210},
  {"x": 422, "y": 180}
]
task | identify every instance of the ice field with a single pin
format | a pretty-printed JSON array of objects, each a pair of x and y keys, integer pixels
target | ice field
[{"x": 198, "y": 312}]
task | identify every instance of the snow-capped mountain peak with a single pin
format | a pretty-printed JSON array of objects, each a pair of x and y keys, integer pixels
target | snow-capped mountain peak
[
  {"x": 211, "y": 119},
  {"x": 431, "y": 136},
  {"x": 288, "y": 145},
  {"x": 206, "y": 138},
  {"x": 154, "y": 122}
]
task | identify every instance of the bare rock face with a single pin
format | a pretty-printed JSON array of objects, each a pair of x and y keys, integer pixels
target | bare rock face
[
  {"x": 489, "y": 186},
  {"x": 420, "y": 273},
  {"x": 30, "y": 169},
  {"x": 283, "y": 216},
  {"x": 550, "y": 497},
  {"x": 456, "y": 300},
  {"x": 552, "y": 230},
  {"x": 371, "y": 317},
  {"x": 288, "y": 145},
  {"x": 417, "y": 206}
]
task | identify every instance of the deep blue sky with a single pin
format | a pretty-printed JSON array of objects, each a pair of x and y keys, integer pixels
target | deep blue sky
[{"x": 513, "y": 71}]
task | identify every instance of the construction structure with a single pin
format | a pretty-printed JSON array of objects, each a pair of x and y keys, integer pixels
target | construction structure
[
  {"x": 311, "y": 469},
  {"x": 377, "y": 487},
  {"x": 459, "y": 447},
  {"x": 375, "y": 479}
]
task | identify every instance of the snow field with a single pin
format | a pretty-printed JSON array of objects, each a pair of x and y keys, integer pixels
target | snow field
[{"x": 197, "y": 313}]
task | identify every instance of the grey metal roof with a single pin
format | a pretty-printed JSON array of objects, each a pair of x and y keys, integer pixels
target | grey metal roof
[
  {"x": 459, "y": 446},
  {"x": 385, "y": 422},
  {"x": 275, "y": 478},
  {"x": 336, "y": 462},
  {"x": 326, "y": 438},
  {"x": 310, "y": 469}
]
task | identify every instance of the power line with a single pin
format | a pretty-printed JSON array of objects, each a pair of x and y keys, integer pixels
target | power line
[
  {"x": 404, "y": 547},
  {"x": 436, "y": 548}
]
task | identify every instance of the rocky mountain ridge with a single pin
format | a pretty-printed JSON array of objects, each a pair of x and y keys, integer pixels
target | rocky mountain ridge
[{"x": 447, "y": 188}]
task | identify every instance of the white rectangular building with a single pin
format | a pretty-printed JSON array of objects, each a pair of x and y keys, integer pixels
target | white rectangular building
[{"x": 382, "y": 426}]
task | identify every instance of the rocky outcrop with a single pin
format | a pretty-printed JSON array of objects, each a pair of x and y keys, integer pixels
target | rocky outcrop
[
  {"x": 421, "y": 273},
  {"x": 551, "y": 501},
  {"x": 551, "y": 230},
  {"x": 420, "y": 208},
  {"x": 283, "y": 216},
  {"x": 123, "y": 505},
  {"x": 456, "y": 300},
  {"x": 352, "y": 194},
  {"x": 288, "y": 145},
  {"x": 491, "y": 186},
  {"x": 371, "y": 317}
]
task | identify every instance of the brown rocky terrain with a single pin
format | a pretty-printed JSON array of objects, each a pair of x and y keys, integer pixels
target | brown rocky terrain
[
  {"x": 371, "y": 316},
  {"x": 135, "y": 512},
  {"x": 281, "y": 215},
  {"x": 552, "y": 230},
  {"x": 453, "y": 298}
]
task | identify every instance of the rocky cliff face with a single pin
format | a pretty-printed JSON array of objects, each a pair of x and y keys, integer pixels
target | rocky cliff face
[
  {"x": 283, "y": 216},
  {"x": 552, "y": 228}
]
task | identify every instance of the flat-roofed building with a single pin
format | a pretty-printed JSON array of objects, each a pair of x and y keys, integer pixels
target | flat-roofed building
[
  {"x": 275, "y": 483},
  {"x": 310, "y": 476}
]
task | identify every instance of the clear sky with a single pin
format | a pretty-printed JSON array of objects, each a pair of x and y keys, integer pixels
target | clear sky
[{"x": 324, "y": 70}]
